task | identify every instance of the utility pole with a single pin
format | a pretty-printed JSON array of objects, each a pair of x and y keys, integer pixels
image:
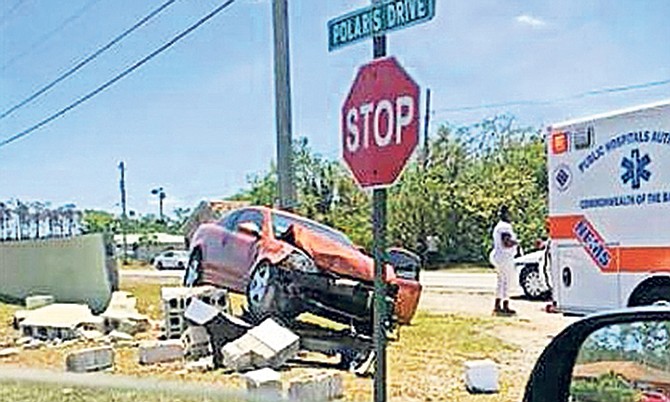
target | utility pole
[
  {"x": 426, "y": 126},
  {"x": 161, "y": 196},
  {"x": 283, "y": 105},
  {"x": 379, "y": 313},
  {"x": 124, "y": 216}
]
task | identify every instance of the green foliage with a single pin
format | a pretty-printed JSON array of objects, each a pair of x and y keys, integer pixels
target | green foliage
[
  {"x": 453, "y": 194},
  {"x": 99, "y": 221},
  {"x": 607, "y": 388}
]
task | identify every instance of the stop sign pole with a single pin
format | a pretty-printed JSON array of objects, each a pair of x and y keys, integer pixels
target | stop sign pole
[{"x": 379, "y": 248}]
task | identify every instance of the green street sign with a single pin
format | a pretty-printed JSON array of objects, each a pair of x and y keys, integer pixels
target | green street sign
[{"x": 387, "y": 16}]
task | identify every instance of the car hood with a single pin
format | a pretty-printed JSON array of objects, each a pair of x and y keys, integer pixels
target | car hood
[
  {"x": 530, "y": 258},
  {"x": 335, "y": 257}
]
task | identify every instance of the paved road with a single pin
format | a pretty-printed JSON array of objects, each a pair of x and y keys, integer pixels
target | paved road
[{"x": 432, "y": 280}]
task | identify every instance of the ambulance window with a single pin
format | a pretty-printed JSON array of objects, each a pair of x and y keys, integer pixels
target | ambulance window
[{"x": 583, "y": 139}]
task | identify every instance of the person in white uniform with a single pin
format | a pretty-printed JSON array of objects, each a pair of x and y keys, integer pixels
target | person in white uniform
[{"x": 505, "y": 246}]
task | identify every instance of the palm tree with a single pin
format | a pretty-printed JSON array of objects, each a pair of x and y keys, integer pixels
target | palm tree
[
  {"x": 22, "y": 215},
  {"x": 3, "y": 218},
  {"x": 38, "y": 215}
]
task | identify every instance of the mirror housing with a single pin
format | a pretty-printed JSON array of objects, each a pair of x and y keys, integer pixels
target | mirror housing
[
  {"x": 552, "y": 375},
  {"x": 250, "y": 228}
]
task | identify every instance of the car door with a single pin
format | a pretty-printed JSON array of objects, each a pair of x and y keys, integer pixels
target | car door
[
  {"x": 239, "y": 250},
  {"x": 167, "y": 259}
]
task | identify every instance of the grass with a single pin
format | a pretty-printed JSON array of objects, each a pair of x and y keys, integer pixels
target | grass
[
  {"x": 35, "y": 392},
  {"x": 134, "y": 265},
  {"x": 464, "y": 268},
  {"x": 425, "y": 363}
]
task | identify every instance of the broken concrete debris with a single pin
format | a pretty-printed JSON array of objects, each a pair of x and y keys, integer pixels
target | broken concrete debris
[
  {"x": 37, "y": 301},
  {"x": 160, "y": 351},
  {"x": 316, "y": 387},
  {"x": 87, "y": 360},
  {"x": 120, "y": 336},
  {"x": 175, "y": 301},
  {"x": 267, "y": 345},
  {"x": 122, "y": 315},
  {"x": 264, "y": 383},
  {"x": 221, "y": 327},
  {"x": 9, "y": 352},
  {"x": 58, "y": 321}
]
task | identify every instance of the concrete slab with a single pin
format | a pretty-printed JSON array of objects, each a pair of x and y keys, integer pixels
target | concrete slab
[{"x": 58, "y": 321}]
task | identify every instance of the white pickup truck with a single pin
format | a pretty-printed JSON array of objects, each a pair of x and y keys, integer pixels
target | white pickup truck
[{"x": 535, "y": 273}]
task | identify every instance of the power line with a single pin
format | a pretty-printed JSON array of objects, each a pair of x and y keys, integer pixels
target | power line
[
  {"x": 45, "y": 38},
  {"x": 595, "y": 92},
  {"x": 11, "y": 11},
  {"x": 88, "y": 59},
  {"x": 118, "y": 77}
]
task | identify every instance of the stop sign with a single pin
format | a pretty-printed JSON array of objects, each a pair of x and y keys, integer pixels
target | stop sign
[{"x": 380, "y": 122}]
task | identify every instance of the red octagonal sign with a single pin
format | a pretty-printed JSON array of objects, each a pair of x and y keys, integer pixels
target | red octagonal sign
[{"x": 380, "y": 123}]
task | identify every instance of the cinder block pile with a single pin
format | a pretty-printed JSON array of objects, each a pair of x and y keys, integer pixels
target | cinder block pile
[{"x": 175, "y": 301}]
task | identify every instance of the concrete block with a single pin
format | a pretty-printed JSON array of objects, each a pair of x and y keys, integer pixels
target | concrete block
[
  {"x": 196, "y": 342},
  {"x": 161, "y": 351},
  {"x": 37, "y": 301},
  {"x": 280, "y": 344},
  {"x": 267, "y": 345},
  {"x": 264, "y": 383},
  {"x": 201, "y": 365},
  {"x": 316, "y": 387},
  {"x": 120, "y": 336},
  {"x": 93, "y": 359},
  {"x": 238, "y": 355},
  {"x": 481, "y": 376}
]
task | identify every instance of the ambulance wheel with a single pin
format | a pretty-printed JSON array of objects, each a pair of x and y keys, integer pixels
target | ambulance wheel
[{"x": 653, "y": 291}]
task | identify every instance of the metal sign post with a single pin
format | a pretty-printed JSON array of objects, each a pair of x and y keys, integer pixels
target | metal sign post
[
  {"x": 380, "y": 130},
  {"x": 379, "y": 247}
]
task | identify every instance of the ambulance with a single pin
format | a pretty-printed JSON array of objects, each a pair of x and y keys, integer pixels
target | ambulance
[{"x": 609, "y": 209}]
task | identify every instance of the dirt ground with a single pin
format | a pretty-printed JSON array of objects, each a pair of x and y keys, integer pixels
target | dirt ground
[{"x": 529, "y": 332}]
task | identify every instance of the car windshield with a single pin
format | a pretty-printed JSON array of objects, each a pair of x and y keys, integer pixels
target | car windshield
[{"x": 281, "y": 223}]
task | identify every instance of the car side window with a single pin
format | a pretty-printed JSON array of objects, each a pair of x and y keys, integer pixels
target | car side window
[
  {"x": 230, "y": 221},
  {"x": 250, "y": 215},
  {"x": 168, "y": 255}
]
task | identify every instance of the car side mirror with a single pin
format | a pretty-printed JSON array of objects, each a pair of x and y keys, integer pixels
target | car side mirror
[
  {"x": 250, "y": 228},
  {"x": 622, "y": 355}
]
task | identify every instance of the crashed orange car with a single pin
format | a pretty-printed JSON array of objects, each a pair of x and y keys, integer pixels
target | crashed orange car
[{"x": 286, "y": 264}]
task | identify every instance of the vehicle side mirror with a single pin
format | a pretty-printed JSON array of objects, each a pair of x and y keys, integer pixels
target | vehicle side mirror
[
  {"x": 622, "y": 356},
  {"x": 250, "y": 228}
]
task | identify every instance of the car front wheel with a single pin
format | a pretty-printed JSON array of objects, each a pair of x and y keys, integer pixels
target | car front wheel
[
  {"x": 266, "y": 296},
  {"x": 532, "y": 284}
]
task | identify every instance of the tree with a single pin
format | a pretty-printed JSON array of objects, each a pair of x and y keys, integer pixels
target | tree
[{"x": 95, "y": 221}]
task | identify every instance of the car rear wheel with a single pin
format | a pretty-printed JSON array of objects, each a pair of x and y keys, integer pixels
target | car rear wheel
[
  {"x": 159, "y": 265},
  {"x": 531, "y": 283},
  {"x": 266, "y": 296},
  {"x": 193, "y": 273}
]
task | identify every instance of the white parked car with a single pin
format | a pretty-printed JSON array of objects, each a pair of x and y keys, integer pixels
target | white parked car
[
  {"x": 534, "y": 274},
  {"x": 171, "y": 259}
]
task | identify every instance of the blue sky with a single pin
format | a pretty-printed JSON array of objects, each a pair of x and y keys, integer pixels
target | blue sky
[{"x": 199, "y": 118}]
